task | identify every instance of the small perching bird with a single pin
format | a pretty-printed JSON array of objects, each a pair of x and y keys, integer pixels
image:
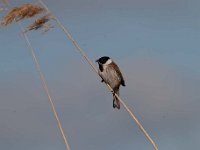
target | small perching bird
[{"x": 110, "y": 74}]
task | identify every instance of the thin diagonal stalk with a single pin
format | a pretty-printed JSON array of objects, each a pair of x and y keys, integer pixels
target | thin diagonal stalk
[
  {"x": 44, "y": 84},
  {"x": 95, "y": 69}
]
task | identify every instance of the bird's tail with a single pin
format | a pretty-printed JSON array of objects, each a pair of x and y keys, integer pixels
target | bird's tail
[{"x": 116, "y": 102}]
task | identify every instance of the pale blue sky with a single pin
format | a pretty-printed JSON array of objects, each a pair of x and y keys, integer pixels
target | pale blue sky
[{"x": 155, "y": 43}]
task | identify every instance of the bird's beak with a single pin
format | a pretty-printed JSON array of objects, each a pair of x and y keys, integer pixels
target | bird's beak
[{"x": 97, "y": 61}]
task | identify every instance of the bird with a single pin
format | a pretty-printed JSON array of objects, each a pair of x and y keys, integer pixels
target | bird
[{"x": 111, "y": 75}]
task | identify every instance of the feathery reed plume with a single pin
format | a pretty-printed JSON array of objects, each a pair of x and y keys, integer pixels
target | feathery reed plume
[
  {"x": 10, "y": 16},
  {"x": 22, "y": 12},
  {"x": 39, "y": 23},
  {"x": 29, "y": 10}
]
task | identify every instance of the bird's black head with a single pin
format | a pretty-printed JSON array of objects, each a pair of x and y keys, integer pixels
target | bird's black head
[{"x": 103, "y": 60}]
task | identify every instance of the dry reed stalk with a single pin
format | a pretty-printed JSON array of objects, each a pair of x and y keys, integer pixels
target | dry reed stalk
[
  {"x": 82, "y": 52},
  {"x": 44, "y": 83},
  {"x": 22, "y": 12}
]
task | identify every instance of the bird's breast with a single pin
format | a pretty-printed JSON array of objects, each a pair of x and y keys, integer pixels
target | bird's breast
[{"x": 110, "y": 76}]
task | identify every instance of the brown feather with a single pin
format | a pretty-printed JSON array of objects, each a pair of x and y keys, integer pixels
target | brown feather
[{"x": 113, "y": 65}]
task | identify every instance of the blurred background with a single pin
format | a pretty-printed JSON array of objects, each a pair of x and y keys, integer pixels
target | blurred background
[{"x": 154, "y": 42}]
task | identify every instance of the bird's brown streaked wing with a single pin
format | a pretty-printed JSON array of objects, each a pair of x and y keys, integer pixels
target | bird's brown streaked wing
[{"x": 119, "y": 73}]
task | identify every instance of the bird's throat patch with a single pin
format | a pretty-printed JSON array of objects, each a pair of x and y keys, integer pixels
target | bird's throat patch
[{"x": 101, "y": 68}]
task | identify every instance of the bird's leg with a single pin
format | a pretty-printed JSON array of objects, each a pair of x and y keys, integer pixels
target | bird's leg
[
  {"x": 113, "y": 93},
  {"x": 114, "y": 105}
]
